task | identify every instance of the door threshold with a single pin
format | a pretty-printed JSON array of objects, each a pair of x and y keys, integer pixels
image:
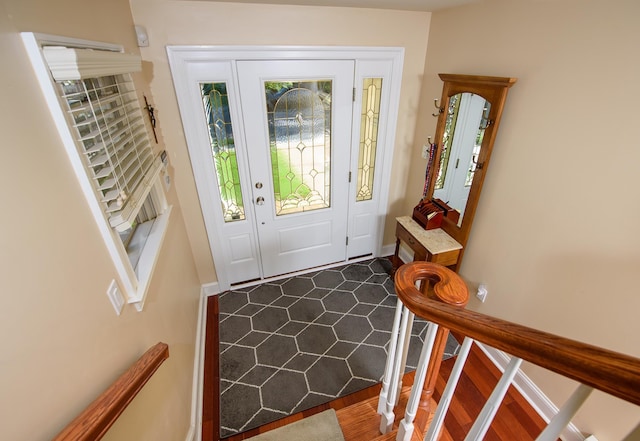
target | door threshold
[{"x": 255, "y": 282}]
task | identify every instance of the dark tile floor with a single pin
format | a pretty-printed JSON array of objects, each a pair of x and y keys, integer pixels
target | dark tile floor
[{"x": 292, "y": 344}]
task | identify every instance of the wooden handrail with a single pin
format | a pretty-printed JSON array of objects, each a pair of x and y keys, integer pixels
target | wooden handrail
[
  {"x": 612, "y": 372},
  {"x": 93, "y": 423}
]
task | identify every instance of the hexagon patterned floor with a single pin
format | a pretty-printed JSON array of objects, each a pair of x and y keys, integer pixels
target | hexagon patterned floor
[{"x": 295, "y": 343}]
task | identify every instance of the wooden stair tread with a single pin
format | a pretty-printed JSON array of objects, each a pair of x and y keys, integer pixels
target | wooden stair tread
[{"x": 360, "y": 421}]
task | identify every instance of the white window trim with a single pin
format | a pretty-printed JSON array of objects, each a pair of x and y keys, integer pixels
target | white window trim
[{"x": 135, "y": 283}]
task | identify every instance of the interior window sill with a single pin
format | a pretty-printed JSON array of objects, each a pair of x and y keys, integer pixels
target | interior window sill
[{"x": 149, "y": 258}]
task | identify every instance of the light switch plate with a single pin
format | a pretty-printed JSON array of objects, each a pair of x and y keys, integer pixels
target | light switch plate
[
  {"x": 142, "y": 36},
  {"x": 114, "y": 294}
]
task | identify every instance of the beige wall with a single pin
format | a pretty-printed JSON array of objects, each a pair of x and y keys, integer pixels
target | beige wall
[
  {"x": 61, "y": 341},
  {"x": 556, "y": 232},
  {"x": 211, "y": 23}
]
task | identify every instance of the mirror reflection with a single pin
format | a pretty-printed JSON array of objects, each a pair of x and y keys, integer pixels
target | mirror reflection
[{"x": 467, "y": 119}]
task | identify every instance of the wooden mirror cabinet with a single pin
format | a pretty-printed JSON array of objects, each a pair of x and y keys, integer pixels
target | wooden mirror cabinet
[{"x": 469, "y": 113}]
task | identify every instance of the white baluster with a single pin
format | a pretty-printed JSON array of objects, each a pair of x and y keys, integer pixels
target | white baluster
[
  {"x": 405, "y": 354},
  {"x": 481, "y": 424},
  {"x": 562, "y": 418},
  {"x": 388, "y": 369},
  {"x": 449, "y": 389},
  {"x": 405, "y": 430},
  {"x": 388, "y": 417}
]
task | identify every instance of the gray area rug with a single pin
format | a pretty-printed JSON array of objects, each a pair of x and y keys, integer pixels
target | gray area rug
[
  {"x": 296, "y": 343},
  {"x": 323, "y": 426}
]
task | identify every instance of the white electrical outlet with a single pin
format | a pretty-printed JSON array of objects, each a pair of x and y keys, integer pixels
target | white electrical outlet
[
  {"x": 482, "y": 292},
  {"x": 114, "y": 294}
]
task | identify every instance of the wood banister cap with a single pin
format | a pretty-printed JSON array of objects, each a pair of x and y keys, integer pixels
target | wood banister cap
[{"x": 448, "y": 287}]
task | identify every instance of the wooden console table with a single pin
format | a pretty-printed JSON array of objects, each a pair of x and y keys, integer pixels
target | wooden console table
[{"x": 430, "y": 245}]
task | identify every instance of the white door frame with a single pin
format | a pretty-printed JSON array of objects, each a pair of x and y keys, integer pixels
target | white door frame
[{"x": 181, "y": 57}]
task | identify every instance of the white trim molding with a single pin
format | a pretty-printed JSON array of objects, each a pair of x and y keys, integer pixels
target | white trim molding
[
  {"x": 211, "y": 289},
  {"x": 195, "y": 427},
  {"x": 185, "y": 63},
  {"x": 75, "y": 64},
  {"x": 532, "y": 393},
  {"x": 78, "y": 58}
]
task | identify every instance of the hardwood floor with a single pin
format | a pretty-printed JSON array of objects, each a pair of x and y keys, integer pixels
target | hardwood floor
[
  {"x": 211, "y": 382},
  {"x": 515, "y": 420}
]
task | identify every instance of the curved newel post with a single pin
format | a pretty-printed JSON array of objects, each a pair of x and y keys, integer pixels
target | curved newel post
[{"x": 436, "y": 283}]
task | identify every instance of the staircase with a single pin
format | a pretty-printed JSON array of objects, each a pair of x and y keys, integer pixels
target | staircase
[
  {"x": 438, "y": 295},
  {"x": 515, "y": 420},
  {"x": 361, "y": 421}
]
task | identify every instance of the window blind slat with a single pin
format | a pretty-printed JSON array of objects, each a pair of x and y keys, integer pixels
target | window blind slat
[
  {"x": 132, "y": 171},
  {"x": 95, "y": 148},
  {"x": 107, "y": 184},
  {"x": 110, "y": 195},
  {"x": 122, "y": 217},
  {"x": 103, "y": 173},
  {"x": 91, "y": 135},
  {"x": 98, "y": 160}
]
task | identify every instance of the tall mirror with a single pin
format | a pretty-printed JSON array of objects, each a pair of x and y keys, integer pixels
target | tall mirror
[{"x": 468, "y": 119}]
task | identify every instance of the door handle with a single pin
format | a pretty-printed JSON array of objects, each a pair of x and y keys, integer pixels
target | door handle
[{"x": 259, "y": 200}]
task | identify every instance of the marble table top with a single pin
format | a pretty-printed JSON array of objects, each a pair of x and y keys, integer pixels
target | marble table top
[{"x": 436, "y": 241}]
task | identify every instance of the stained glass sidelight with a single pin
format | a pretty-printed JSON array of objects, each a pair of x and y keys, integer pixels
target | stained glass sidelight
[
  {"x": 447, "y": 139},
  {"x": 370, "y": 118},
  {"x": 299, "y": 120},
  {"x": 216, "y": 109}
]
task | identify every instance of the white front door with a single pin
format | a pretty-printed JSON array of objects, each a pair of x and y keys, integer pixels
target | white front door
[
  {"x": 291, "y": 152},
  {"x": 297, "y": 121}
]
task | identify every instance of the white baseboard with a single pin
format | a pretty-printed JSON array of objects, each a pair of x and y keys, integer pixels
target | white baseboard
[
  {"x": 191, "y": 435},
  {"x": 195, "y": 428},
  {"x": 532, "y": 393},
  {"x": 211, "y": 289},
  {"x": 387, "y": 250}
]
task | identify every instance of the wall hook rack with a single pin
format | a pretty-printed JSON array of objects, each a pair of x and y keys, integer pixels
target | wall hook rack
[
  {"x": 484, "y": 123},
  {"x": 440, "y": 109}
]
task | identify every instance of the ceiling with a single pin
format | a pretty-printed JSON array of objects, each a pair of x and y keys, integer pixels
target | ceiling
[{"x": 403, "y": 5}]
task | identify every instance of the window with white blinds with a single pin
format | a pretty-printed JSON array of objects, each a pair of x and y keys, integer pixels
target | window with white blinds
[
  {"x": 89, "y": 89},
  {"x": 113, "y": 140}
]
